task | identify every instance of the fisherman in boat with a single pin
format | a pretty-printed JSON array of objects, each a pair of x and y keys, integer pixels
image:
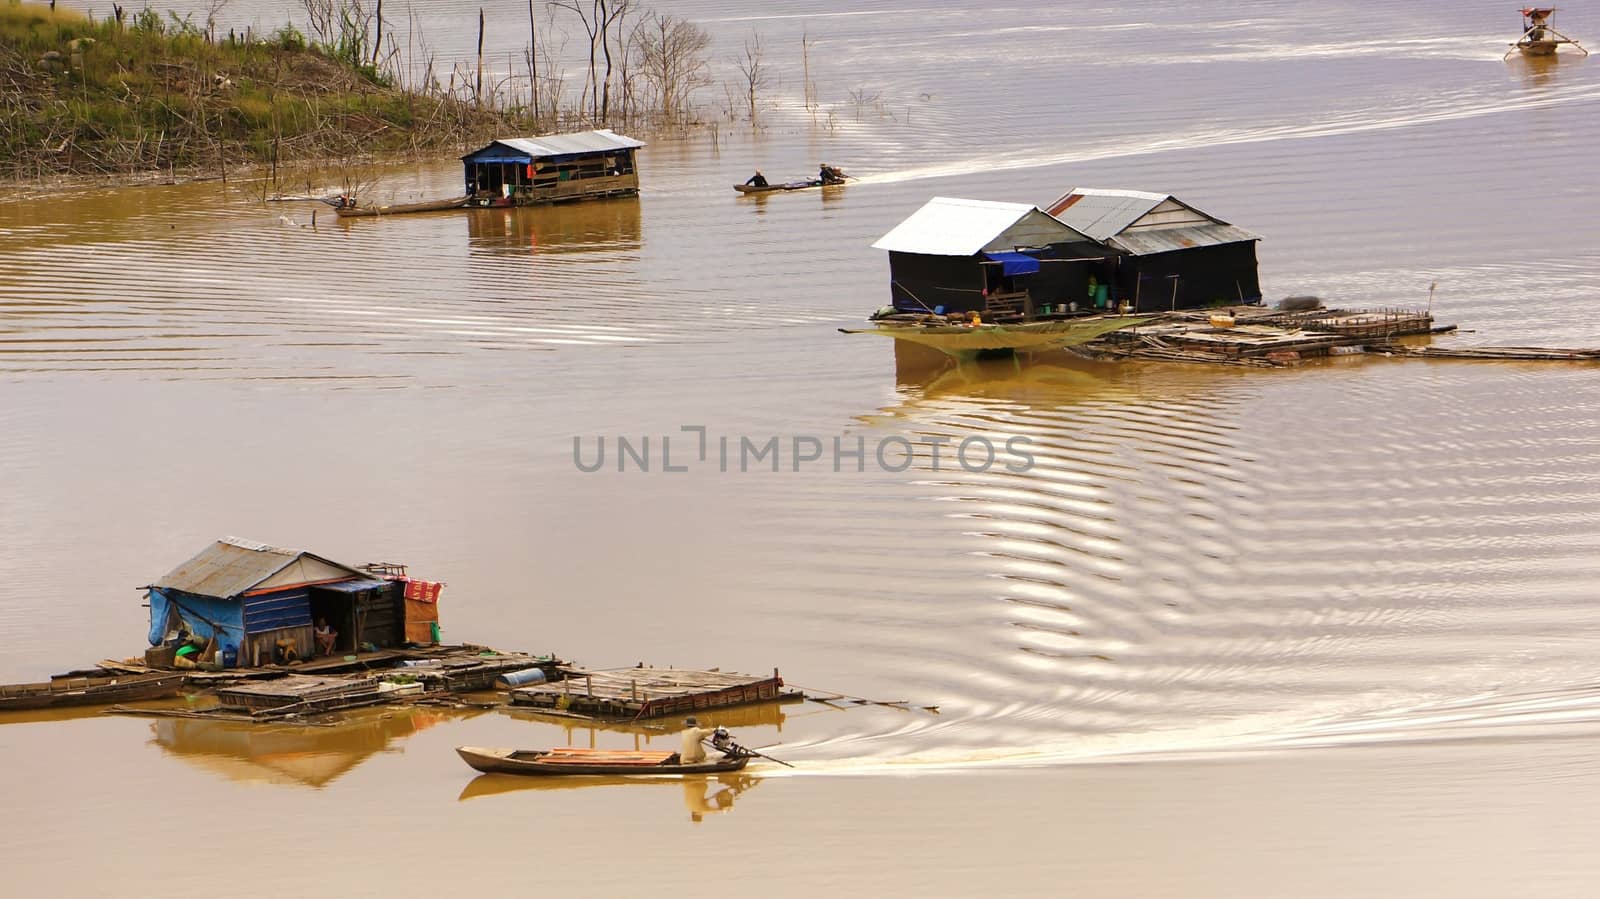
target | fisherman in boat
[
  {"x": 1534, "y": 20},
  {"x": 830, "y": 175},
  {"x": 757, "y": 180},
  {"x": 692, "y": 750}
]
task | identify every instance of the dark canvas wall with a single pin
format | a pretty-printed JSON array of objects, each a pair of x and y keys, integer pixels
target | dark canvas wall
[
  {"x": 1205, "y": 276},
  {"x": 919, "y": 282}
]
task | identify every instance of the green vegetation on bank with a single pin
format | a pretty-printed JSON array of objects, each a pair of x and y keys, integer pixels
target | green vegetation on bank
[{"x": 81, "y": 96}]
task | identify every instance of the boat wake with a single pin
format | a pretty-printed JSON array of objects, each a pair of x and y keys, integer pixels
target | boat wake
[{"x": 1452, "y": 109}]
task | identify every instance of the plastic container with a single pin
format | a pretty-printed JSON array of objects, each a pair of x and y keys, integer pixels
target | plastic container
[{"x": 521, "y": 678}]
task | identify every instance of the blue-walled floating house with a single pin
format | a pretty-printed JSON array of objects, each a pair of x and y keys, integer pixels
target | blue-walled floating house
[
  {"x": 524, "y": 171},
  {"x": 1166, "y": 254},
  {"x": 261, "y": 602}
]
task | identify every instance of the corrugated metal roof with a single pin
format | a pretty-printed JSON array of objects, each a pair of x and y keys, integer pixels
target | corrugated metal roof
[
  {"x": 231, "y": 566},
  {"x": 1143, "y": 242},
  {"x": 1102, "y": 214},
  {"x": 566, "y": 144},
  {"x": 946, "y": 226}
]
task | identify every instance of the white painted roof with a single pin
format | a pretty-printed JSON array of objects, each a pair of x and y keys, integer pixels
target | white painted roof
[{"x": 946, "y": 226}]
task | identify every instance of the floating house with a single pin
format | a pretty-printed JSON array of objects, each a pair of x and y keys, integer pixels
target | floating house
[
  {"x": 524, "y": 171},
  {"x": 255, "y": 604},
  {"x": 1001, "y": 260},
  {"x": 1166, "y": 254}
]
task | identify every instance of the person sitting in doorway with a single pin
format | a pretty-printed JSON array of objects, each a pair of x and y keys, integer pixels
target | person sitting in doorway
[
  {"x": 326, "y": 636},
  {"x": 757, "y": 180}
]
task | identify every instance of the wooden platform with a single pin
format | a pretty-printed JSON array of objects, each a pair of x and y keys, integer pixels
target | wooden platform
[
  {"x": 649, "y": 692},
  {"x": 1251, "y": 335},
  {"x": 307, "y": 693}
]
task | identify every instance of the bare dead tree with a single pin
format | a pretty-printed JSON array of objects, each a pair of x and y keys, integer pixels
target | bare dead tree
[
  {"x": 533, "y": 62},
  {"x": 672, "y": 55},
  {"x": 591, "y": 19},
  {"x": 808, "y": 88},
  {"x": 752, "y": 66},
  {"x": 213, "y": 7},
  {"x": 377, "y": 38}
]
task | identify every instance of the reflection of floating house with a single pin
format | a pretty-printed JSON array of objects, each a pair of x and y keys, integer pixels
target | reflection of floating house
[
  {"x": 523, "y": 171},
  {"x": 540, "y": 230},
  {"x": 313, "y": 756},
  {"x": 1169, "y": 255},
  {"x": 257, "y": 604}
]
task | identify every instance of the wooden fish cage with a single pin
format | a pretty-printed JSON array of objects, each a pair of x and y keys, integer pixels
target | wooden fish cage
[
  {"x": 306, "y": 694},
  {"x": 650, "y": 692}
]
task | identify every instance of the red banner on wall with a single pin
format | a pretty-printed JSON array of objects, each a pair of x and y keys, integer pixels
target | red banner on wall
[{"x": 422, "y": 591}]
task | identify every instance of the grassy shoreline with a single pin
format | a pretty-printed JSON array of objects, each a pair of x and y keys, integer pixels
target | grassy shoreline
[{"x": 151, "y": 97}]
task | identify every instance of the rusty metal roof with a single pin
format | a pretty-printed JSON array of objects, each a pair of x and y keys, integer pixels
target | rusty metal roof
[
  {"x": 1142, "y": 242},
  {"x": 231, "y": 566},
  {"x": 1139, "y": 222},
  {"x": 1102, "y": 214},
  {"x": 601, "y": 141}
]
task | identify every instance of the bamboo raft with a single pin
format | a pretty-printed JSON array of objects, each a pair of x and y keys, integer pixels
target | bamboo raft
[{"x": 630, "y": 693}]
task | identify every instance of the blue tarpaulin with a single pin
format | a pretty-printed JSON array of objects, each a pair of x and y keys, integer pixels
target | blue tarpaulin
[
  {"x": 1015, "y": 263},
  {"x": 203, "y": 616}
]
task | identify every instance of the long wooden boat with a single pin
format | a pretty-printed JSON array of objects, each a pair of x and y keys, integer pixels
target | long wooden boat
[
  {"x": 962, "y": 340},
  {"x": 90, "y": 690},
  {"x": 567, "y": 761},
  {"x": 787, "y": 185},
  {"x": 401, "y": 208}
]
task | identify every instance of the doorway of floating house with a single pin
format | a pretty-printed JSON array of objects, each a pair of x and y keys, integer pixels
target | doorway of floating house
[
  {"x": 364, "y": 612},
  {"x": 338, "y": 609}
]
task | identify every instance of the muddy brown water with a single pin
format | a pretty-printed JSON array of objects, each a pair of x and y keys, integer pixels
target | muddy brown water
[{"x": 1326, "y": 631}]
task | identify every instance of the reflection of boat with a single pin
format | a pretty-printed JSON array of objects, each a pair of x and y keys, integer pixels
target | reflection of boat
[
  {"x": 90, "y": 690},
  {"x": 1539, "y": 35},
  {"x": 401, "y": 208},
  {"x": 725, "y": 786},
  {"x": 964, "y": 340},
  {"x": 573, "y": 761}
]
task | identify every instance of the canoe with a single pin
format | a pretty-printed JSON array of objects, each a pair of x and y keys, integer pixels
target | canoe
[
  {"x": 401, "y": 208},
  {"x": 568, "y": 761},
  {"x": 959, "y": 340},
  {"x": 787, "y": 185},
  {"x": 90, "y": 690}
]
